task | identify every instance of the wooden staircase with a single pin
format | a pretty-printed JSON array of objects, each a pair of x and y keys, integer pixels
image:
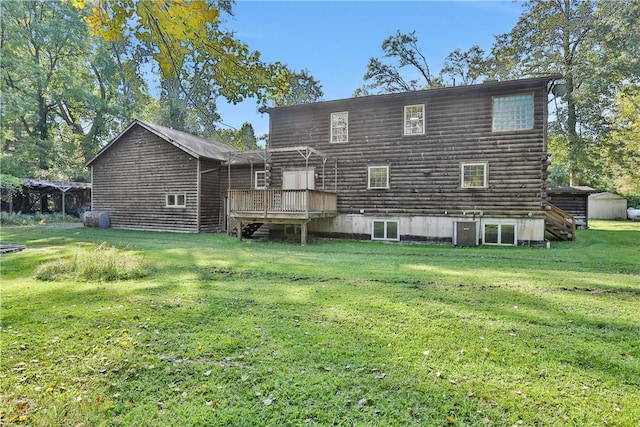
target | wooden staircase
[
  {"x": 249, "y": 229},
  {"x": 560, "y": 224}
]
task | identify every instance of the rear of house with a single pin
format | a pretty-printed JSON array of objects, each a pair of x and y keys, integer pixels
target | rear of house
[{"x": 466, "y": 165}]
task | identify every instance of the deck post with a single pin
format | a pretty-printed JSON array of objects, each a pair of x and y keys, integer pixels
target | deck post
[
  {"x": 239, "y": 230},
  {"x": 303, "y": 234}
]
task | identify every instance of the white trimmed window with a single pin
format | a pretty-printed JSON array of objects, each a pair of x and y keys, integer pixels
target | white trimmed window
[
  {"x": 414, "y": 119},
  {"x": 473, "y": 175},
  {"x": 378, "y": 177},
  {"x": 385, "y": 230},
  {"x": 176, "y": 200},
  {"x": 499, "y": 234},
  {"x": 340, "y": 127},
  {"x": 513, "y": 112},
  {"x": 260, "y": 182}
]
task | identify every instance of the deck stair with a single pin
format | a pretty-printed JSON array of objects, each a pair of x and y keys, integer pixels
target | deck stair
[
  {"x": 560, "y": 224},
  {"x": 249, "y": 229}
]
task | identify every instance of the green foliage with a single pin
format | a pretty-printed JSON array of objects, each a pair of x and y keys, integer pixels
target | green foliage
[
  {"x": 9, "y": 186},
  {"x": 7, "y": 218},
  {"x": 102, "y": 263},
  {"x": 594, "y": 46},
  {"x": 468, "y": 66},
  {"x": 228, "y": 332},
  {"x": 64, "y": 93}
]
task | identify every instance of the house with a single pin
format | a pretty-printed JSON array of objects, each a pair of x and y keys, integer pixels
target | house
[
  {"x": 466, "y": 165},
  {"x": 573, "y": 200},
  {"x": 607, "y": 206},
  {"x": 155, "y": 178}
]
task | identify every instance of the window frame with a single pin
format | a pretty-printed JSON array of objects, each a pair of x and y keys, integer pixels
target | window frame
[
  {"x": 485, "y": 180},
  {"x": 332, "y": 127},
  {"x": 423, "y": 119},
  {"x": 387, "y": 185},
  {"x": 386, "y": 229},
  {"x": 499, "y": 233},
  {"x": 255, "y": 180},
  {"x": 176, "y": 197},
  {"x": 512, "y": 126}
]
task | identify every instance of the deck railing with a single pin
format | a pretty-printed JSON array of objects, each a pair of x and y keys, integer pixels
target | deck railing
[
  {"x": 275, "y": 203},
  {"x": 560, "y": 223}
]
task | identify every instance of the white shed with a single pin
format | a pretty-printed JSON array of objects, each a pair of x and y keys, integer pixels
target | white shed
[{"x": 607, "y": 206}]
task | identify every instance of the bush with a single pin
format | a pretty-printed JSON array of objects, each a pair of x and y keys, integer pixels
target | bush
[
  {"x": 103, "y": 263},
  {"x": 33, "y": 219}
]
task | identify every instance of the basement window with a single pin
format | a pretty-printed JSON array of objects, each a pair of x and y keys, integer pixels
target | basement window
[
  {"x": 385, "y": 230},
  {"x": 176, "y": 200},
  {"x": 513, "y": 112},
  {"x": 499, "y": 234},
  {"x": 378, "y": 177},
  {"x": 340, "y": 127},
  {"x": 473, "y": 175},
  {"x": 414, "y": 119}
]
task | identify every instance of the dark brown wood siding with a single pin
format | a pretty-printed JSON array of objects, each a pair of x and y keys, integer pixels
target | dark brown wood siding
[
  {"x": 424, "y": 169},
  {"x": 132, "y": 178},
  {"x": 211, "y": 203}
]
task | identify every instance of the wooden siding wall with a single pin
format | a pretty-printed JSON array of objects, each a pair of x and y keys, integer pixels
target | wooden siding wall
[
  {"x": 211, "y": 198},
  {"x": 132, "y": 178},
  {"x": 425, "y": 169}
]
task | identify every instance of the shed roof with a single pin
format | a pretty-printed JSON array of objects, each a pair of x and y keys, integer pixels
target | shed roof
[
  {"x": 191, "y": 144},
  {"x": 577, "y": 189},
  {"x": 606, "y": 196}
]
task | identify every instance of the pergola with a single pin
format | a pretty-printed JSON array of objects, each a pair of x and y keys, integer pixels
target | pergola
[{"x": 52, "y": 187}]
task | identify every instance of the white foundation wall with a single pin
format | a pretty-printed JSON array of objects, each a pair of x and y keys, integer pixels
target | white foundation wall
[{"x": 426, "y": 227}]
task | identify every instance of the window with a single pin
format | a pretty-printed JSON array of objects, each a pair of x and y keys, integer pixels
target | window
[
  {"x": 473, "y": 175},
  {"x": 385, "y": 230},
  {"x": 176, "y": 200},
  {"x": 499, "y": 234},
  {"x": 514, "y": 112},
  {"x": 414, "y": 119},
  {"x": 378, "y": 176},
  {"x": 261, "y": 180},
  {"x": 340, "y": 127}
]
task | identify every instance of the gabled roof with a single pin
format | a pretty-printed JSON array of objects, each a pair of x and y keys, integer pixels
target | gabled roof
[{"x": 191, "y": 144}]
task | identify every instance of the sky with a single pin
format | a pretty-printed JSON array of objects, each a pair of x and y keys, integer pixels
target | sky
[{"x": 334, "y": 40}]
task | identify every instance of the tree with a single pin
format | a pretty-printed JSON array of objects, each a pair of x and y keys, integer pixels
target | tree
[
  {"x": 302, "y": 89},
  {"x": 469, "y": 66},
  {"x": 197, "y": 60},
  {"x": 39, "y": 71},
  {"x": 624, "y": 150},
  {"x": 594, "y": 45},
  {"x": 387, "y": 78},
  {"x": 243, "y": 138},
  {"x": 63, "y": 92}
]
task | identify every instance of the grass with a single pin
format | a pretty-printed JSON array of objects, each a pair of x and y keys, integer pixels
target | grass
[{"x": 228, "y": 332}]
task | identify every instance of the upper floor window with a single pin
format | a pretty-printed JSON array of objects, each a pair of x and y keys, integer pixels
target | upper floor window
[
  {"x": 378, "y": 176},
  {"x": 414, "y": 119},
  {"x": 473, "y": 175},
  {"x": 178, "y": 200},
  {"x": 340, "y": 127},
  {"x": 513, "y": 112},
  {"x": 260, "y": 180}
]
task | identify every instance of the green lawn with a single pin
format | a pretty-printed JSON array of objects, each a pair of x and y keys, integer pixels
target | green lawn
[{"x": 228, "y": 332}]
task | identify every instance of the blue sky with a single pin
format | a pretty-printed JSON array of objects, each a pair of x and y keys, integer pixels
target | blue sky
[{"x": 334, "y": 40}]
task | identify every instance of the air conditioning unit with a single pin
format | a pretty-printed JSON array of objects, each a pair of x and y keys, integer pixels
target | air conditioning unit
[{"x": 465, "y": 233}]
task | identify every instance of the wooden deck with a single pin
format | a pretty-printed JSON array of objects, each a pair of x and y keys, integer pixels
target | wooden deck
[{"x": 281, "y": 206}]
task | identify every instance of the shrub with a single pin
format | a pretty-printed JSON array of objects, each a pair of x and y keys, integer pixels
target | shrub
[
  {"x": 33, "y": 219},
  {"x": 103, "y": 263}
]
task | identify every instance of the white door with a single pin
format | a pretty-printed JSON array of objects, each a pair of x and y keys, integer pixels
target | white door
[{"x": 297, "y": 179}]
